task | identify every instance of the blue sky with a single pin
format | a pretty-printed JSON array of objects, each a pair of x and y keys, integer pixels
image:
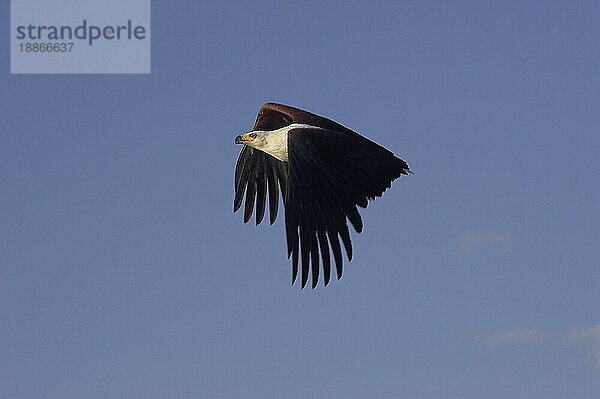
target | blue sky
[{"x": 124, "y": 273}]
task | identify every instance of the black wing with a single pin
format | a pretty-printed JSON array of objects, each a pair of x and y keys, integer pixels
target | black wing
[
  {"x": 256, "y": 170},
  {"x": 330, "y": 173}
]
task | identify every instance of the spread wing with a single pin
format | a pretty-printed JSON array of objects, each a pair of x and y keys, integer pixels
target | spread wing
[
  {"x": 256, "y": 171},
  {"x": 331, "y": 172}
]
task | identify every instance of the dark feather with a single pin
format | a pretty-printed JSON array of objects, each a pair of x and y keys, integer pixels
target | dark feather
[
  {"x": 261, "y": 188},
  {"x": 331, "y": 171}
]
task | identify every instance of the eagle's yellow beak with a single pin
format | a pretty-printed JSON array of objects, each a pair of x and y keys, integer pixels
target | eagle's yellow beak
[{"x": 244, "y": 138}]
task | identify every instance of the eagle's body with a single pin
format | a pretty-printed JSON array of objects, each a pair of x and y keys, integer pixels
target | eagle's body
[{"x": 324, "y": 171}]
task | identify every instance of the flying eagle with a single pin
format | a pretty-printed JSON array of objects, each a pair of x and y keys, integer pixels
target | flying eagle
[{"x": 323, "y": 170}]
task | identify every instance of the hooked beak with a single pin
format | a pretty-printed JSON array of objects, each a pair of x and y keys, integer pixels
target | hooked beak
[{"x": 243, "y": 139}]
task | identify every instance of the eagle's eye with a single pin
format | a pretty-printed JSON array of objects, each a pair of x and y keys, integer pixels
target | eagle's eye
[{"x": 252, "y": 135}]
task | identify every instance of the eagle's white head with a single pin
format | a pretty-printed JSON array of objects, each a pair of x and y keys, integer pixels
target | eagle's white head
[{"x": 273, "y": 142}]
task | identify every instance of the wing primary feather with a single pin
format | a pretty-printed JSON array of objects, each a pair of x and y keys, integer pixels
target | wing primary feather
[
  {"x": 291, "y": 231},
  {"x": 282, "y": 177},
  {"x": 273, "y": 197},
  {"x": 294, "y": 266},
  {"x": 250, "y": 196},
  {"x": 261, "y": 196},
  {"x": 325, "y": 257},
  {"x": 241, "y": 163},
  {"x": 346, "y": 239},
  {"x": 314, "y": 261},
  {"x": 305, "y": 243},
  {"x": 239, "y": 196},
  {"x": 313, "y": 214},
  {"x": 241, "y": 189},
  {"x": 355, "y": 218},
  {"x": 337, "y": 252}
]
